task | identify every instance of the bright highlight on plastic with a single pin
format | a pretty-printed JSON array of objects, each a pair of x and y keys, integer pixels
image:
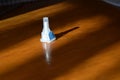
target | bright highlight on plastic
[{"x": 47, "y": 36}]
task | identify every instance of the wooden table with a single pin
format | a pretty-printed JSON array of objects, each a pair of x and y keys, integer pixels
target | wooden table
[{"x": 87, "y": 45}]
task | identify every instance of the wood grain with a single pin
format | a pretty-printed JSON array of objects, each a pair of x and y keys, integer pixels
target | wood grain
[{"x": 87, "y": 45}]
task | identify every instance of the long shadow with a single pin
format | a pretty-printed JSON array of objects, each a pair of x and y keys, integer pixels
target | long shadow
[
  {"x": 65, "y": 32},
  {"x": 82, "y": 11},
  {"x": 67, "y": 56},
  {"x": 21, "y": 8}
]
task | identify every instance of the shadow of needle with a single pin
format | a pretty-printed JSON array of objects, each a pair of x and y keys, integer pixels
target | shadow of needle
[
  {"x": 58, "y": 35},
  {"x": 47, "y": 46}
]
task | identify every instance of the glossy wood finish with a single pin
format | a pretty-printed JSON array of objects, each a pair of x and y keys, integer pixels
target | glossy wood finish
[{"x": 87, "y": 45}]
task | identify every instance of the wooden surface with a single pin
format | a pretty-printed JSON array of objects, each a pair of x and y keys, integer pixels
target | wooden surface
[{"x": 87, "y": 45}]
